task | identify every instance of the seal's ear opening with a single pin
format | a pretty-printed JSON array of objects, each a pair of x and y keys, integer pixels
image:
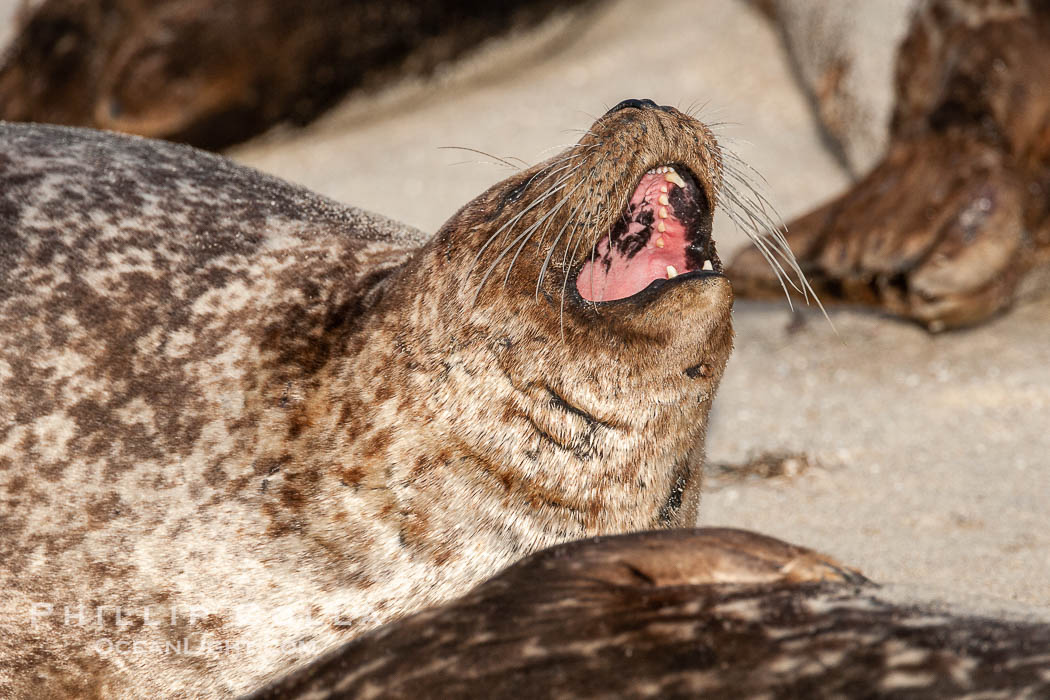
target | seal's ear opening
[{"x": 663, "y": 234}]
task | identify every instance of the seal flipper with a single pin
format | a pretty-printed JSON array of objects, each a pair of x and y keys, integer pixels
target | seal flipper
[{"x": 935, "y": 233}]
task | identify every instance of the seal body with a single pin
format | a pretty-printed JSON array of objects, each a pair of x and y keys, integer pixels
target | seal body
[
  {"x": 243, "y": 423},
  {"x": 949, "y": 226},
  {"x": 682, "y": 614}
]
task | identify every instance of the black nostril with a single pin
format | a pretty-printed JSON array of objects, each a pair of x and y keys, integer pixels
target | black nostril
[{"x": 637, "y": 104}]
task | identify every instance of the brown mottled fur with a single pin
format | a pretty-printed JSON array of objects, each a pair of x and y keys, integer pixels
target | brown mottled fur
[
  {"x": 221, "y": 390},
  {"x": 947, "y": 227}
]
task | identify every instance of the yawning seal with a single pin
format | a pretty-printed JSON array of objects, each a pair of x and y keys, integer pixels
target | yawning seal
[{"x": 244, "y": 423}]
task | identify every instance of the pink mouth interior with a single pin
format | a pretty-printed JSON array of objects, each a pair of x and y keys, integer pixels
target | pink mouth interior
[{"x": 636, "y": 252}]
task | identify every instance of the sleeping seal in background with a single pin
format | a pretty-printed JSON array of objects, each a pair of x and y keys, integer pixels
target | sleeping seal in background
[
  {"x": 243, "y": 423},
  {"x": 217, "y": 72}
]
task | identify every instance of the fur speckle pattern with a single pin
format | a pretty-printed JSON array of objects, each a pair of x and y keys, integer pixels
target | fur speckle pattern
[{"x": 243, "y": 424}]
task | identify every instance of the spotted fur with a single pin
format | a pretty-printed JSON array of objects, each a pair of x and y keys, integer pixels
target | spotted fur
[{"x": 219, "y": 391}]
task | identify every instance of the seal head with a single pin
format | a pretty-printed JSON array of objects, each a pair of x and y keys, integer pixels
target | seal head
[{"x": 568, "y": 335}]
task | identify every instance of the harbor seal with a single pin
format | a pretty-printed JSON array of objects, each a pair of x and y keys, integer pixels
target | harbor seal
[
  {"x": 954, "y": 222},
  {"x": 215, "y": 72},
  {"x": 244, "y": 423},
  {"x": 683, "y": 614}
]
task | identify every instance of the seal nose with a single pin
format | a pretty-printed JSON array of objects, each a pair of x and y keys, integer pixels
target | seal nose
[{"x": 637, "y": 104}]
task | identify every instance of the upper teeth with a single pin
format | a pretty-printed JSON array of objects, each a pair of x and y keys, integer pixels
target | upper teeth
[
  {"x": 673, "y": 177},
  {"x": 671, "y": 272},
  {"x": 669, "y": 175},
  {"x": 708, "y": 266}
]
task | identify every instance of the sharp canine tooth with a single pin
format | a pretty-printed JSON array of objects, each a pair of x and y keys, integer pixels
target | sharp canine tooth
[
  {"x": 661, "y": 227},
  {"x": 708, "y": 266},
  {"x": 660, "y": 242},
  {"x": 674, "y": 177},
  {"x": 671, "y": 272},
  {"x": 663, "y": 212}
]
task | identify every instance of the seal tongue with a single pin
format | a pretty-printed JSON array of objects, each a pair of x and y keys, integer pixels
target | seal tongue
[{"x": 647, "y": 243}]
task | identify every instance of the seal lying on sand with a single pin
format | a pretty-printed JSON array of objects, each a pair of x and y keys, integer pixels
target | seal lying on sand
[
  {"x": 216, "y": 72},
  {"x": 223, "y": 391},
  {"x": 681, "y": 614},
  {"x": 947, "y": 227}
]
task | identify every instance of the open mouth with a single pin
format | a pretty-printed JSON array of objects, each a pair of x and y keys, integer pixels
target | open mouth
[{"x": 664, "y": 234}]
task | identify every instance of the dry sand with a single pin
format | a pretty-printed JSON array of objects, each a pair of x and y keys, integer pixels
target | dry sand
[{"x": 933, "y": 451}]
